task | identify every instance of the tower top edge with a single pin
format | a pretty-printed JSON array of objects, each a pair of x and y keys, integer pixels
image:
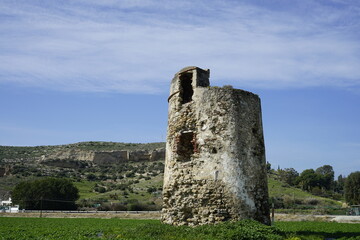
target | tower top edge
[{"x": 190, "y": 68}]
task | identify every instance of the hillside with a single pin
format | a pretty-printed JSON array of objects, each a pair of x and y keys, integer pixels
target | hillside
[
  {"x": 291, "y": 199},
  {"x": 47, "y": 160},
  {"x": 121, "y": 185},
  {"x": 33, "y": 153}
]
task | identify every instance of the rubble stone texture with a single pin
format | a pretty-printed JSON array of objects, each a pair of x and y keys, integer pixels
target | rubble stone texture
[{"x": 215, "y": 167}]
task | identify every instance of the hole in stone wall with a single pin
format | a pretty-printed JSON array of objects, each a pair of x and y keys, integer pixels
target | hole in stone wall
[
  {"x": 254, "y": 130},
  {"x": 213, "y": 129},
  {"x": 216, "y": 175},
  {"x": 185, "y": 146},
  {"x": 213, "y": 150},
  {"x": 186, "y": 90}
]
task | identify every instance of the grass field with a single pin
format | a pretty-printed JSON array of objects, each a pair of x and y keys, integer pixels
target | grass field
[
  {"x": 139, "y": 192},
  {"x": 86, "y": 189},
  {"x": 68, "y": 228},
  {"x": 279, "y": 189}
]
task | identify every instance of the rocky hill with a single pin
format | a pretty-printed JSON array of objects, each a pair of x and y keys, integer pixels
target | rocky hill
[
  {"x": 118, "y": 174},
  {"x": 96, "y": 162},
  {"x": 100, "y": 153}
]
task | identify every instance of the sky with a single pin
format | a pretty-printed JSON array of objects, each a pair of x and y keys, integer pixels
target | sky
[{"x": 89, "y": 70}]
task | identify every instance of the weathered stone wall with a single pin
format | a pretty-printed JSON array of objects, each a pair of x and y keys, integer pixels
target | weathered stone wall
[
  {"x": 102, "y": 157},
  {"x": 157, "y": 154},
  {"x": 139, "y": 156},
  {"x": 215, "y": 157}
]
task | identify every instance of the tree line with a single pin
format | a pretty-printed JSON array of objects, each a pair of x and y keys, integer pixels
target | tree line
[{"x": 322, "y": 182}]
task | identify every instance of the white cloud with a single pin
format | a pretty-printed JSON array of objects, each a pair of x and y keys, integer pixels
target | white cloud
[{"x": 137, "y": 46}]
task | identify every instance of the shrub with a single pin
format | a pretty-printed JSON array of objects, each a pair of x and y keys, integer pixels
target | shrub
[
  {"x": 130, "y": 174},
  {"x": 311, "y": 201},
  {"x": 151, "y": 189},
  {"x": 241, "y": 230},
  {"x": 91, "y": 177},
  {"x": 112, "y": 207},
  {"x": 100, "y": 189},
  {"x": 46, "y": 193}
]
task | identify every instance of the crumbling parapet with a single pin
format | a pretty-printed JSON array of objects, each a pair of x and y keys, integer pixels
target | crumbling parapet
[{"x": 215, "y": 155}]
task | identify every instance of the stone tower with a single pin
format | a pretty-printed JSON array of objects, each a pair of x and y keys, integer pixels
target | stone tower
[{"x": 215, "y": 166}]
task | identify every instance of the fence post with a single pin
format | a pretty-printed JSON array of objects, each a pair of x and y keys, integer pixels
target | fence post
[
  {"x": 41, "y": 202},
  {"x": 273, "y": 214}
]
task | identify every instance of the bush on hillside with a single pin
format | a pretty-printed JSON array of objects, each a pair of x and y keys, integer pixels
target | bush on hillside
[{"x": 46, "y": 193}]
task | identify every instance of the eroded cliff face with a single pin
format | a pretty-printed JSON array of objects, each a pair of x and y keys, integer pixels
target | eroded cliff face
[{"x": 69, "y": 156}]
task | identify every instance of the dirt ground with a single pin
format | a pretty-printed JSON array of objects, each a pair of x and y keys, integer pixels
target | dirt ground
[
  {"x": 322, "y": 218},
  {"x": 156, "y": 215},
  {"x": 125, "y": 215}
]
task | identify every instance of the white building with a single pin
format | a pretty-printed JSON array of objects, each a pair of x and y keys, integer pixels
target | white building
[
  {"x": 6, "y": 206},
  {"x": 6, "y": 202}
]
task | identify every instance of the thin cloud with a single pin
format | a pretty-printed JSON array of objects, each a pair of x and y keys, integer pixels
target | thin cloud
[
  {"x": 136, "y": 46},
  {"x": 352, "y": 144}
]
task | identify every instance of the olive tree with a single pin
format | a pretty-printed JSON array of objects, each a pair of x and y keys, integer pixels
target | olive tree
[
  {"x": 352, "y": 188},
  {"x": 46, "y": 193}
]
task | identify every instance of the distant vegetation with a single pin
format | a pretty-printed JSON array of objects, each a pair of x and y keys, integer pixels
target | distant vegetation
[
  {"x": 138, "y": 185},
  {"x": 27, "y": 153},
  {"x": 46, "y": 193},
  {"x": 125, "y": 186},
  {"x": 352, "y": 188},
  {"x": 314, "y": 191}
]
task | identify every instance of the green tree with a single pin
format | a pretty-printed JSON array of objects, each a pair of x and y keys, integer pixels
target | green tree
[
  {"x": 288, "y": 175},
  {"x": 46, "y": 193},
  {"x": 326, "y": 173},
  {"x": 339, "y": 185},
  {"x": 352, "y": 188},
  {"x": 308, "y": 179},
  {"x": 268, "y": 167}
]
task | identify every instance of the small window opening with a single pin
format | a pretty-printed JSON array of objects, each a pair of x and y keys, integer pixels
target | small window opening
[
  {"x": 186, "y": 90},
  {"x": 185, "y": 146},
  {"x": 213, "y": 150}
]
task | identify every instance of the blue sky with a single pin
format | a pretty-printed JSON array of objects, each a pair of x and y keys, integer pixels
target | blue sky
[{"x": 86, "y": 70}]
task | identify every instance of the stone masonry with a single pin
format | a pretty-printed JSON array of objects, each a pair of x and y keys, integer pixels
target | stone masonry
[{"x": 215, "y": 166}]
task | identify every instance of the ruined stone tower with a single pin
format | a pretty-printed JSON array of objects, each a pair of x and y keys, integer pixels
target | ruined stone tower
[{"x": 215, "y": 156}]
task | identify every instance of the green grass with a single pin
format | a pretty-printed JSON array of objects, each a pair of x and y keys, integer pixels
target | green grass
[
  {"x": 139, "y": 193},
  {"x": 86, "y": 189},
  {"x": 280, "y": 189},
  {"x": 41, "y": 228},
  {"x": 320, "y": 230},
  {"x": 87, "y": 228}
]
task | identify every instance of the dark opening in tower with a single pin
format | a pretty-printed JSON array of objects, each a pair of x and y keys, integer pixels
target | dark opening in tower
[
  {"x": 185, "y": 146},
  {"x": 186, "y": 90}
]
